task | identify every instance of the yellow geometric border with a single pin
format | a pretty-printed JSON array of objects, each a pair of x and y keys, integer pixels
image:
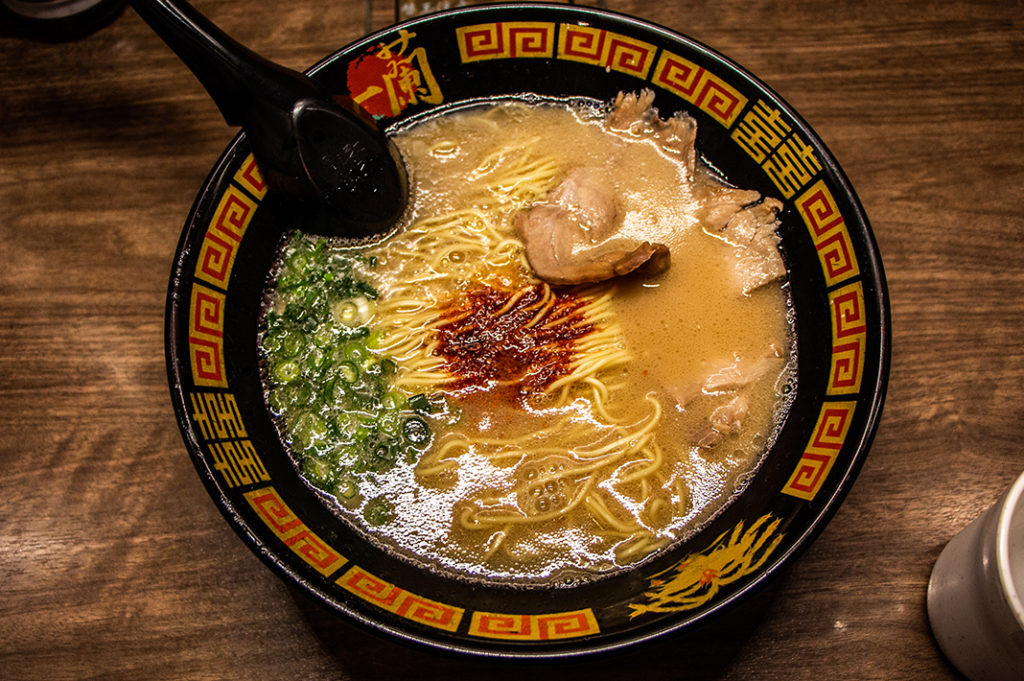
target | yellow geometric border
[
  {"x": 287, "y": 527},
  {"x": 606, "y": 49},
  {"x": 849, "y": 339},
  {"x": 821, "y": 452},
  {"x": 206, "y": 337},
  {"x": 219, "y": 421},
  {"x": 699, "y": 87},
  {"x": 223, "y": 236},
  {"x": 505, "y": 40},
  {"x": 829, "y": 233},
  {"x": 544, "y": 627},
  {"x": 399, "y": 601},
  {"x": 238, "y": 463},
  {"x": 217, "y": 415},
  {"x": 250, "y": 178},
  {"x": 784, "y": 155}
]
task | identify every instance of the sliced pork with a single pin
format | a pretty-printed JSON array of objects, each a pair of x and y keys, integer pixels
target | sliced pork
[
  {"x": 734, "y": 378},
  {"x": 740, "y": 373},
  {"x": 722, "y": 202},
  {"x": 571, "y": 238},
  {"x": 729, "y": 417},
  {"x": 633, "y": 114},
  {"x": 751, "y": 230}
]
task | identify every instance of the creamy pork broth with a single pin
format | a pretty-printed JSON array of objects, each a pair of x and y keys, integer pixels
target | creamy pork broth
[{"x": 534, "y": 433}]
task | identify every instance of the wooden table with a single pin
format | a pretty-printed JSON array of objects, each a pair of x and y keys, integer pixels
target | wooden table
[{"x": 115, "y": 564}]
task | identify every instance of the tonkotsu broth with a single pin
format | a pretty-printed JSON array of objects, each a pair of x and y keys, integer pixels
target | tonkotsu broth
[{"x": 459, "y": 508}]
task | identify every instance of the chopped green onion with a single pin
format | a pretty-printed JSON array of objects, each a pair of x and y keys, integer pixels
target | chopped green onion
[
  {"x": 324, "y": 336},
  {"x": 320, "y": 472},
  {"x": 380, "y": 459},
  {"x": 315, "y": 358},
  {"x": 377, "y": 511},
  {"x": 389, "y": 424},
  {"x": 388, "y": 367},
  {"x": 348, "y": 372},
  {"x": 394, "y": 400},
  {"x": 420, "y": 403},
  {"x": 347, "y": 487},
  {"x": 286, "y": 371},
  {"x": 291, "y": 343},
  {"x": 308, "y": 430},
  {"x": 330, "y": 383},
  {"x": 353, "y": 312},
  {"x": 374, "y": 339},
  {"x": 356, "y": 352}
]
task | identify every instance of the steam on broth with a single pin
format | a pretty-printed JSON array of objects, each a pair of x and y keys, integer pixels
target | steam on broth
[{"x": 472, "y": 417}]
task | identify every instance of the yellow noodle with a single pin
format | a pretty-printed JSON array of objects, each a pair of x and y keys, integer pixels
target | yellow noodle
[
  {"x": 514, "y": 518},
  {"x": 654, "y": 464},
  {"x": 604, "y": 515},
  {"x": 643, "y": 544},
  {"x": 655, "y": 508},
  {"x": 497, "y": 539}
]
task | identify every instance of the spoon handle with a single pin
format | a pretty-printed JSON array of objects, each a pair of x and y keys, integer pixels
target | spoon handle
[
  {"x": 238, "y": 79},
  {"x": 343, "y": 173}
]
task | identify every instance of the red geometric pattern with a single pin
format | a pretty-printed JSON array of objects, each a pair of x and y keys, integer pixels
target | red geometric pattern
[
  {"x": 274, "y": 512},
  {"x": 699, "y": 87},
  {"x": 847, "y": 367},
  {"x": 206, "y": 337},
  {"x": 833, "y": 424},
  {"x": 826, "y": 442},
  {"x": 849, "y": 338},
  {"x": 505, "y": 40},
  {"x": 206, "y": 358},
  {"x": 220, "y": 245},
  {"x": 250, "y": 178},
  {"x": 399, "y": 601},
  {"x": 605, "y": 49},
  {"x": 847, "y": 306},
  {"x": 544, "y": 627},
  {"x": 828, "y": 230},
  {"x": 819, "y": 211},
  {"x": 809, "y": 475},
  {"x": 206, "y": 312}
]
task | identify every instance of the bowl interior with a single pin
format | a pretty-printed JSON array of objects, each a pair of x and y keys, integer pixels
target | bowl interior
[{"x": 229, "y": 244}]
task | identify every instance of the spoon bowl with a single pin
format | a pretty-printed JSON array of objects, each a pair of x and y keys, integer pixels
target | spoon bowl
[
  {"x": 346, "y": 167},
  {"x": 342, "y": 173}
]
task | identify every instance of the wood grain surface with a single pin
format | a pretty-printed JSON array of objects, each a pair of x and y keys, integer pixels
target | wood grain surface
[{"x": 114, "y": 562}]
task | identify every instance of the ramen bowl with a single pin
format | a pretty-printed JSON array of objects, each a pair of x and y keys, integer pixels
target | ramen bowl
[{"x": 227, "y": 253}]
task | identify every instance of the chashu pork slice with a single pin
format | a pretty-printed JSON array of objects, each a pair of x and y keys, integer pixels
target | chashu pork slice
[
  {"x": 572, "y": 237},
  {"x": 752, "y": 231},
  {"x": 634, "y": 115}
]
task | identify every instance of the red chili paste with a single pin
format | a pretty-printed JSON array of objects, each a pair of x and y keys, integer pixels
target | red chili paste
[{"x": 483, "y": 343}]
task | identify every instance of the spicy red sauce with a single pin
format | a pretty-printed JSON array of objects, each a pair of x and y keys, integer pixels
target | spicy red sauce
[{"x": 523, "y": 346}]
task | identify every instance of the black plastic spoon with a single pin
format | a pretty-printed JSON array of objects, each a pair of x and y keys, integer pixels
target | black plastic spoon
[{"x": 343, "y": 173}]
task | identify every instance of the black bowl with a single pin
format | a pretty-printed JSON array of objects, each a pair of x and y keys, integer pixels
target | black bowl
[{"x": 745, "y": 130}]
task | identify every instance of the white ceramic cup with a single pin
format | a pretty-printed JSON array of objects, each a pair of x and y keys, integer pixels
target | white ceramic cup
[{"x": 974, "y": 595}]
